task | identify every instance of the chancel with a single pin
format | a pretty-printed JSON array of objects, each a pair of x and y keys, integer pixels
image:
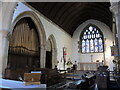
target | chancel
[{"x": 60, "y": 45}]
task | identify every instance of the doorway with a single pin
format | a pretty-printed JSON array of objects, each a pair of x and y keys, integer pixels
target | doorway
[
  {"x": 48, "y": 59},
  {"x": 51, "y": 52}
]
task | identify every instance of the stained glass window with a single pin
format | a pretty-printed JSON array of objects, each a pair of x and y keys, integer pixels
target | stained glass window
[{"x": 92, "y": 40}]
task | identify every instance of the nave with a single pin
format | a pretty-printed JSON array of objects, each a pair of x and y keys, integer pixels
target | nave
[{"x": 60, "y": 45}]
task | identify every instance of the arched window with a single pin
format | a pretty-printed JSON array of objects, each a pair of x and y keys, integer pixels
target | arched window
[{"x": 92, "y": 40}]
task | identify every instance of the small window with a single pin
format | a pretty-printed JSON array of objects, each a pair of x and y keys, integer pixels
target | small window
[{"x": 92, "y": 40}]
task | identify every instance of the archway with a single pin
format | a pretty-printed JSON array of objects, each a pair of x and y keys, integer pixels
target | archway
[
  {"x": 24, "y": 45},
  {"x": 40, "y": 34},
  {"x": 51, "y": 52},
  {"x": 77, "y": 55},
  {"x": 48, "y": 63}
]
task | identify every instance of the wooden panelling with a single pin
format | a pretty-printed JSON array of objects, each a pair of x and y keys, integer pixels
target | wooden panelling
[{"x": 69, "y": 15}]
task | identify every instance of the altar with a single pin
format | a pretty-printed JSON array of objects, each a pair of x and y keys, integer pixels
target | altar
[
  {"x": 15, "y": 85},
  {"x": 89, "y": 65}
]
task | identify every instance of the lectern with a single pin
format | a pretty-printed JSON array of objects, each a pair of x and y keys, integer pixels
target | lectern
[{"x": 32, "y": 78}]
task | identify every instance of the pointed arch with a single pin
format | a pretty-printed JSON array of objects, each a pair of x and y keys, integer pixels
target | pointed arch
[
  {"x": 52, "y": 40},
  {"x": 40, "y": 30}
]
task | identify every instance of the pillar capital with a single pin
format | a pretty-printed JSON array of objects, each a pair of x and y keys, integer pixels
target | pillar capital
[
  {"x": 4, "y": 33},
  {"x": 42, "y": 46},
  {"x": 115, "y": 8}
]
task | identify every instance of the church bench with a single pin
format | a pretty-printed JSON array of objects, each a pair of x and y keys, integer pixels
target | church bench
[
  {"x": 14, "y": 74},
  {"x": 49, "y": 76}
]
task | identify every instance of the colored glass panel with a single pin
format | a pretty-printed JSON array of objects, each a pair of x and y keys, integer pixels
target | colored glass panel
[
  {"x": 83, "y": 46},
  {"x": 91, "y": 46},
  {"x": 87, "y": 45},
  {"x": 100, "y": 45}
]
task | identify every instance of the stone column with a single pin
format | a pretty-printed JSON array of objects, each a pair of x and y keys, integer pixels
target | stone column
[
  {"x": 115, "y": 8},
  {"x": 3, "y": 51},
  {"x": 115, "y": 42},
  {"x": 6, "y": 14},
  {"x": 54, "y": 57},
  {"x": 42, "y": 56}
]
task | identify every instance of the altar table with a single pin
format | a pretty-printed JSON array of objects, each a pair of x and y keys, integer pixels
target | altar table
[{"x": 89, "y": 65}]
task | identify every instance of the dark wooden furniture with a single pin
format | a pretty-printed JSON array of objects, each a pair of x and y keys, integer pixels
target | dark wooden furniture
[
  {"x": 15, "y": 74},
  {"x": 32, "y": 78},
  {"x": 49, "y": 76},
  {"x": 89, "y": 82},
  {"x": 102, "y": 77}
]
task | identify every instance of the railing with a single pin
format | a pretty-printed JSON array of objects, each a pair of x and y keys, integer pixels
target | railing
[{"x": 115, "y": 76}]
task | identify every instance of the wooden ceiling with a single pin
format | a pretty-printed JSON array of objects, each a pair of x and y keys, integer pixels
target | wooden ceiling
[{"x": 69, "y": 15}]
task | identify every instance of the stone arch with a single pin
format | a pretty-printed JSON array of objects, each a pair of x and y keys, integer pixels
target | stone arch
[
  {"x": 40, "y": 29},
  {"x": 52, "y": 40},
  {"x": 109, "y": 42}
]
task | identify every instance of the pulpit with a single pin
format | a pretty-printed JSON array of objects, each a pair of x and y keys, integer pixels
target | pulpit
[{"x": 89, "y": 65}]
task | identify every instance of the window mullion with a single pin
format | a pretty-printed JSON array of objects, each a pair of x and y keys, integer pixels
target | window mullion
[
  {"x": 85, "y": 47},
  {"x": 89, "y": 45},
  {"x": 94, "y": 44}
]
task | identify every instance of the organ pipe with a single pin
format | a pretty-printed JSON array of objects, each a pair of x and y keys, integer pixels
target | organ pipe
[{"x": 24, "y": 39}]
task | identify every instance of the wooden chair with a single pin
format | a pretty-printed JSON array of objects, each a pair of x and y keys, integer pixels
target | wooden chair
[{"x": 32, "y": 78}]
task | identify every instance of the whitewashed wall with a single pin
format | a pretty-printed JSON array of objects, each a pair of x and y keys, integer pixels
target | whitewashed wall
[
  {"x": 62, "y": 39},
  {"x": 97, "y": 56},
  {"x": 19, "y": 9}
]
